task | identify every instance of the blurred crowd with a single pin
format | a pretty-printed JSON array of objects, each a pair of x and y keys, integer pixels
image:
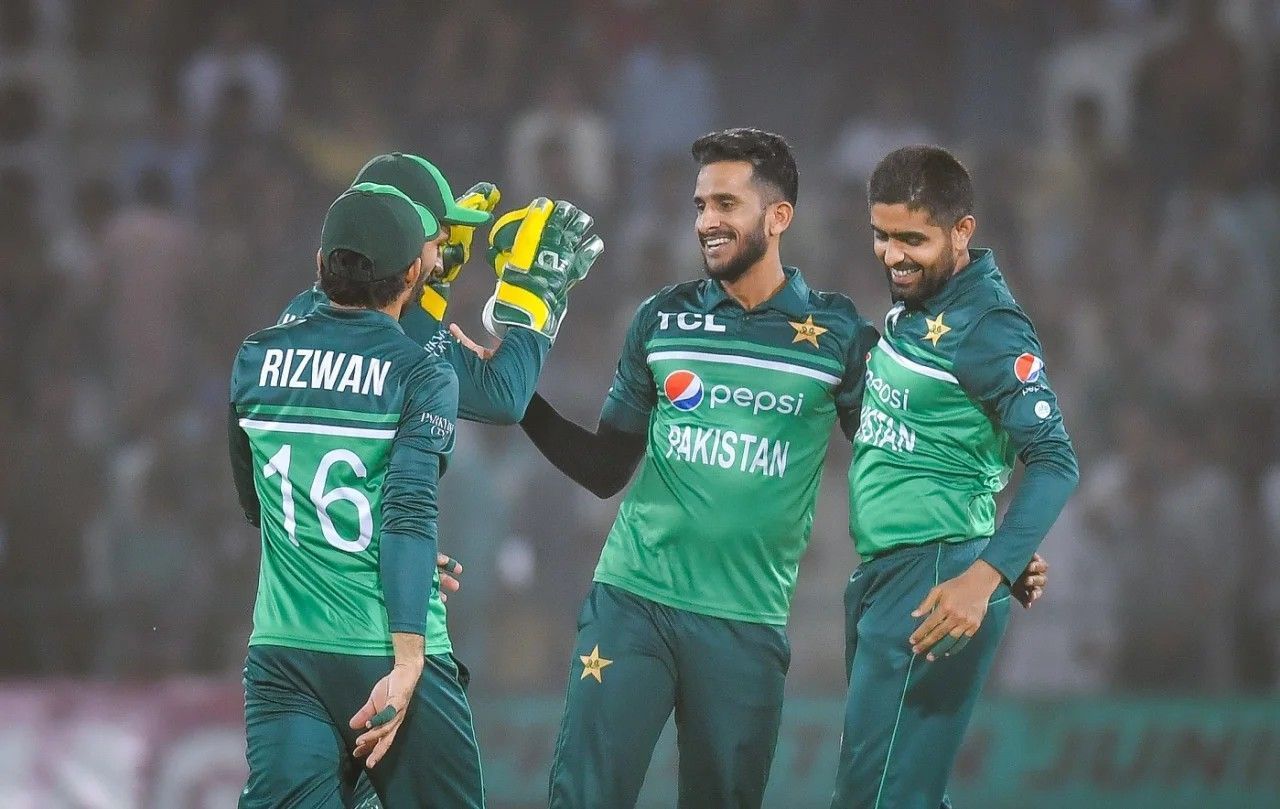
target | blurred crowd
[{"x": 164, "y": 168}]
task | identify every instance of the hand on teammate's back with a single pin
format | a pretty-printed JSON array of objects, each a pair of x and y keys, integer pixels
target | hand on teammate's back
[
  {"x": 449, "y": 570},
  {"x": 483, "y": 352},
  {"x": 1030, "y": 585}
]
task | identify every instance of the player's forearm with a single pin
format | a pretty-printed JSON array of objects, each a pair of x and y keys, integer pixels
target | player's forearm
[
  {"x": 1050, "y": 477},
  {"x": 410, "y": 649},
  {"x": 407, "y": 547},
  {"x": 242, "y": 467},
  {"x": 601, "y": 462},
  {"x": 498, "y": 390}
]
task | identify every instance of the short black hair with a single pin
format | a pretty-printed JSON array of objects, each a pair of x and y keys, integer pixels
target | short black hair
[
  {"x": 772, "y": 163},
  {"x": 339, "y": 274},
  {"x": 923, "y": 177}
]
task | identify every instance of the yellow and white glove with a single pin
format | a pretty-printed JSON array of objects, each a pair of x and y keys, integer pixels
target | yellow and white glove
[
  {"x": 456, "y": 250},
  {"x": 539, "y": 252}
]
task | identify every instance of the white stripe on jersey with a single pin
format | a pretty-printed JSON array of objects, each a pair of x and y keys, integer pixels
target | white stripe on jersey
[
  {"x": 733, "y": 359},
  {"x": 936, "y": 373},
  {"x": 316, "y": 429}
]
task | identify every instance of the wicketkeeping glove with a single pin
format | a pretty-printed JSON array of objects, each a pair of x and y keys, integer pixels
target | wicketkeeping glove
[
  {"x": 456, "y": 251},
  {"x": 539, "y": 253}
]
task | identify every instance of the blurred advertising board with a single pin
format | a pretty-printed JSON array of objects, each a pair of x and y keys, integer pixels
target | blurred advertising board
[{"x": 178, "y": 744}]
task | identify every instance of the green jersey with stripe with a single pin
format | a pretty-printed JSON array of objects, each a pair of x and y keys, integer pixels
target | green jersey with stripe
[
  {"x": 493, "y": 391},
  {"x": 738, "y": 407},
  {"x": 341, "y": 425},
  {"x": 955, "y": 391}
]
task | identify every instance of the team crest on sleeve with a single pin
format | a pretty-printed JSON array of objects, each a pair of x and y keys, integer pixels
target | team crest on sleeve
[
  {"x": 683, "y": 389},
  {"x": 1027, "y": 368}
]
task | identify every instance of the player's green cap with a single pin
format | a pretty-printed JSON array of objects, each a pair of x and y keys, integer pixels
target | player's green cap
[
  {"x": 423, "y": 183},
  {"x": 380, "y": 223}
]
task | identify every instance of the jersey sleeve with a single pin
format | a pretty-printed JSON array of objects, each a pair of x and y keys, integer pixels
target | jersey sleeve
[
  {"x": 999, "y": 363},
  {"x": 241, "y": 455},
  {"x": 497, "y": 390},
  {"x": 424, "y": 438},
  {"x": 854, "y": 381},
  {"x": 493, "y": 391},
  {"x": 632, "y": 396}
]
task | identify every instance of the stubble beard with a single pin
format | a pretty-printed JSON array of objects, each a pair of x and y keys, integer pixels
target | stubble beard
[
  {"x": 932, "y": 280},
  {"x": 754, "y": 246}
]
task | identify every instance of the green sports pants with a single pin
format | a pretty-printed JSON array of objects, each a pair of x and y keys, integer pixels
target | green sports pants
[
  {"x": 635, "y": 661},
  {"x": 904, "y": 716},
  {"x": 298, "y": 743}
]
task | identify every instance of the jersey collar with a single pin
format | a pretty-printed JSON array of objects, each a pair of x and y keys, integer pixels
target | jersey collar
[
  {"x": 792, "y": 300},
  {"x": 982, "y": 263},
  {"x": 370, "y": 317}
]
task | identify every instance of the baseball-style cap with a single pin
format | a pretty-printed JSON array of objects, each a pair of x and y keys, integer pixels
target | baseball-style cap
[
  {"x": 380, "y": 223},
  {"x": 423, "y": 183}
]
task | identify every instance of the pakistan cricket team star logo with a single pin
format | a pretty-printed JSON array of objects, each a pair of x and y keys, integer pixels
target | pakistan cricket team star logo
[
  {"x": 593, "y": 664},
  {"x": 936, "y": 329},
  {"x": 807, "y": 331}
]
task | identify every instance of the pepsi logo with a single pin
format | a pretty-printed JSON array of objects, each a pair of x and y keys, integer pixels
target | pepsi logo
[
  {"x": 1027, "y": 368},
  {"x": 683, "y": 389}
]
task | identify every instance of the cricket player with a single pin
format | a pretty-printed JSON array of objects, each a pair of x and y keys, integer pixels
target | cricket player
[
  {"x": 340, "y": 427},
  {"x": 727, "y": 388},
  {"x": 956, "y": 390},
  {"x": 495, "y": 391},
  {"x": 494, "y": 386}
]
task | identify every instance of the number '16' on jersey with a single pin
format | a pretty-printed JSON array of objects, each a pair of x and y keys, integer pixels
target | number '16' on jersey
[{"x": 340, "y": 409}]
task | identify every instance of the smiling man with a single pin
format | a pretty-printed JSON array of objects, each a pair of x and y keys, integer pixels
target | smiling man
[
  {"x": 956, "y": 390},
  {"x": 727, "y": 387}
]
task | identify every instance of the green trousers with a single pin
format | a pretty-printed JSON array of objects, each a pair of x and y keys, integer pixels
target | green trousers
[
  {"x": 635, "y": 661},
  {"x": 904, "y": 716},
  {"x": 297, "y": 706}
]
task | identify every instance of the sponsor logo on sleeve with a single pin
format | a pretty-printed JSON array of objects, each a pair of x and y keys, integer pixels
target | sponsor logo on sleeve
[
  {"x": 1027, "y": 368},
  {"x": 441, "y": 427}
]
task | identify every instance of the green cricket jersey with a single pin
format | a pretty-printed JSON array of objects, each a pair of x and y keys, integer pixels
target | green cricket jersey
[
  {"x": 956, "y": 389},
  {"x": 340, "y": 428},
  {"x": 738, "y": 407},
  {"x": 496, "y": 391}
]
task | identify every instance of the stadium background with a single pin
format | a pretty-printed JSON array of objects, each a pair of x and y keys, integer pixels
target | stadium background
[{"x": 164, "y": 169}]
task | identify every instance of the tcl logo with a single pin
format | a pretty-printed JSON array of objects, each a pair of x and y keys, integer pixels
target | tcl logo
[{"x": 689, "y": 321}]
